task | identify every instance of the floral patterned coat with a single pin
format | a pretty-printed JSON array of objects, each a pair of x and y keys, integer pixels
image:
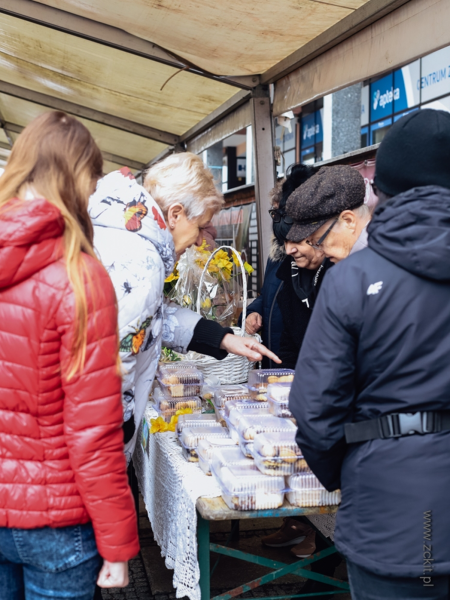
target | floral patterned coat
[{"x": 133, "y": 242}]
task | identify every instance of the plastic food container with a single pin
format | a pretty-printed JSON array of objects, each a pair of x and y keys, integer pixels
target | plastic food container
[
  {"x": 252, "y": 408},
  {"x": 195, "y": 420},
  {"x": 278, "y": 399},
  {"x": 250, "y": 425},
  {"x": 206, "y": 449},
  {"x": 191, "y": 436},
  {"x": 179, "y": 381},
  {"x": 244, "y": 487},
  {"x": 259, "y": 379},
  {"x": 167, "y": 407},
  {"x": 226, "y": 456},
  {"x": 277, "y": 453},
  {"x": 227, "y": 393},
  {"x": 306, "y": 490}
]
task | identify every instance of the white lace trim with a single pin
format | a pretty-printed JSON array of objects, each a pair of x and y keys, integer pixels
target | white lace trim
[{"x": 171, "y": 504}]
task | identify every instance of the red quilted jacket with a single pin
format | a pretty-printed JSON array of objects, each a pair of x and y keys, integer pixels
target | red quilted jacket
[{"x": 61, "y": 442}]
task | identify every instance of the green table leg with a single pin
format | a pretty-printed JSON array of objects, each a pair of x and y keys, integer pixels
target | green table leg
[{"x": 203, "y": 556}]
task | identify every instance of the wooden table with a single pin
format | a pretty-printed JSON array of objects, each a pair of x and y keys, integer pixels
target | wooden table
[{"x": 215, "y": 509}]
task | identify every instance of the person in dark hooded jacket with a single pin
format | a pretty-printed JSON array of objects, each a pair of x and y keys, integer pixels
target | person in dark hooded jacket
[{"x": 372, "y": 389}]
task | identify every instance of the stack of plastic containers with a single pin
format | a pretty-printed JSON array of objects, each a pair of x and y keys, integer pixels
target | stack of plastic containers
[
  {"x": 238, "y": 411},
  {"x": 277, "y": 453},
  {"x": 244, "y": 487},
  {"x": 259, "y": 379},
  {"x": 226, "y": 394},
  {"x": 180, "y": 380},
  {"x": 306, "y": 490},
  {"x": 191, "y": 436},
  {"x": 250, "y": 425},
  {"x": 278, "y": 399}
]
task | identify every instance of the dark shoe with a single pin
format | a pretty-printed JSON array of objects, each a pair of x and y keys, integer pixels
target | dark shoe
[
  {"x": 307, "y": 546},
  {"x": 292, "y": 532}
]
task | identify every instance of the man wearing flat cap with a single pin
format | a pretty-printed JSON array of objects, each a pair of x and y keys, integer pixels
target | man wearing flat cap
[
  {"x": 371, "y": 393},
  {"x": 328, "y": 211}
]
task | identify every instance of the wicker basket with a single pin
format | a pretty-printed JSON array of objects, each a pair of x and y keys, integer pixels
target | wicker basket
[{"x": 233, "y": 368}]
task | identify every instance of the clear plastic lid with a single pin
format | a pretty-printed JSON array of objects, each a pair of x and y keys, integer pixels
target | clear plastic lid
[
  {"x": 227, "y": 393},
  {"x": 276, "y": 453},
  {"x": 259, "y": 379},
  {"x": 232, "y": 429},
  {"x": 180, "y": 369},
  {"x": 207, "y": 446},
  {"x": 244, "y": 487},
  {"x": 237, "y": 412},
  {"x": 244, "y": 405},
  {"x": 168, "y": 407},
  {"x": 164, "y": 404},
  {"x": 190, "y": 436},
  {"x": 178, "y": 381},
  {"x": 195, "y": 420},
  {"x": 306, "y": 490},
  {"x": 278, "y": 399},
  {"x": 229, "y": 456},
  {"x": 180, "y": 390},
  {"x": 250, "y": 425},
  {"x": 277, "y": 443}
]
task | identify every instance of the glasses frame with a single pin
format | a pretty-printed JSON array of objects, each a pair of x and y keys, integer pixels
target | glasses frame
[
  {"x": 318, "y": 244},
  {"x": 277, "y": 217}
]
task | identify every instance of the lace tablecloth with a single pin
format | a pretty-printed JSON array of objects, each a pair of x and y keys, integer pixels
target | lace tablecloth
[{"x": 170, "y": 487}]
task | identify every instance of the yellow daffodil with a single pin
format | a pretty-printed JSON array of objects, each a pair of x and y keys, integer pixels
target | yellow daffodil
[
  {"x": 187, "y": 300},
  {"x": 174, "y": 275},
  {"x": 174, "y": 419},
  {"x": 206, "y": 303},
  {"x": 248, "y": 268},
  {"x": 158, "y": 425}
]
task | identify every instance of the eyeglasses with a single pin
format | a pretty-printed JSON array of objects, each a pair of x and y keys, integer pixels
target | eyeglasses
[
  {"x": 318, "y": 244},
  {"x": 277, "y": 217}
]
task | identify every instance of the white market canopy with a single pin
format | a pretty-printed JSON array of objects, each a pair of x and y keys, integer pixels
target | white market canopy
[
  {"x": 148, "y": 77},
  {"x": 111, "y": 61}
]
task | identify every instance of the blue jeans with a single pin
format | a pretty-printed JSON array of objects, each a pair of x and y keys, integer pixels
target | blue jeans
[
  {"x": 365, "y": 585},
  {"x": 51, "y": 563}
]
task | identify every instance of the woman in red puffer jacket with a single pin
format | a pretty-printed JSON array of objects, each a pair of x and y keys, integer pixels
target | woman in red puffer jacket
[{"x": 64, "y": 495}]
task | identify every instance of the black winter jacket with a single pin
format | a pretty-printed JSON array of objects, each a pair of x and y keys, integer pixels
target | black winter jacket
[
  {"x": 296, "y": 314},
  {"x": 379, "y": 342}
]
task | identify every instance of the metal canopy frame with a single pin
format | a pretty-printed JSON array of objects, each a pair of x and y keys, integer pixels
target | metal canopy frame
[
  {"x": 114, "y": 158},
  {"x": 89, "y": 113}
]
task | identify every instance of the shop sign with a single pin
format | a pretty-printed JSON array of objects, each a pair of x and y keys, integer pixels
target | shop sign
[
  {"x": 435, "y": 79},
  {"x": 382, "y": 96},
  {"x": 405, "y": 81},
  {"x": 312, "y": 130}
]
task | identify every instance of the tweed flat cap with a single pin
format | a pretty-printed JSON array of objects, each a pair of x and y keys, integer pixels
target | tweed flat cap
[{"x": 324, "y": 196}]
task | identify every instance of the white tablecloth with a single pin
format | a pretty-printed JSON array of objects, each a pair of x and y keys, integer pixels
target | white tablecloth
[{"x": 170, "y": 487}]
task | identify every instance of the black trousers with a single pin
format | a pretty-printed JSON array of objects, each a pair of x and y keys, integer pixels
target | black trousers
[{"x": 368, "y": 586}]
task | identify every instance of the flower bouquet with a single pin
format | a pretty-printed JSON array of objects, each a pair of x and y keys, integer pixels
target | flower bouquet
[{"x": 221, "y": 294}]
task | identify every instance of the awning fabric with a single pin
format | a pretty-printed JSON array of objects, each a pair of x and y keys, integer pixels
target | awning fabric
[{"x": 226, "y": 39}]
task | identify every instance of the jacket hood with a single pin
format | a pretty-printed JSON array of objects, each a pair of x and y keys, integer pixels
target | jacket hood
[
  {"x": 119, "y": 202},
  {"x": 412, "y": 230},
  {"x": 277, "y": 252},
  {"x": 30, "y": 239}
]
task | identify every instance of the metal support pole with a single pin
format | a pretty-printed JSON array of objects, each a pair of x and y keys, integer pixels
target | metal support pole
[
  {"x": 264, "y": 169},
  {"x": 203, "y": 556}
]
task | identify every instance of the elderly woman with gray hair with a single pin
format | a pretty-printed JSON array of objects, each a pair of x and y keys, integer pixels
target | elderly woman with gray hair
[{"x": 138, "y": 234}]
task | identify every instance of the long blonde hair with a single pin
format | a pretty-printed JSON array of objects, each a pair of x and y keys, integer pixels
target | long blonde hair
[{"x": 57, "y": 158}]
